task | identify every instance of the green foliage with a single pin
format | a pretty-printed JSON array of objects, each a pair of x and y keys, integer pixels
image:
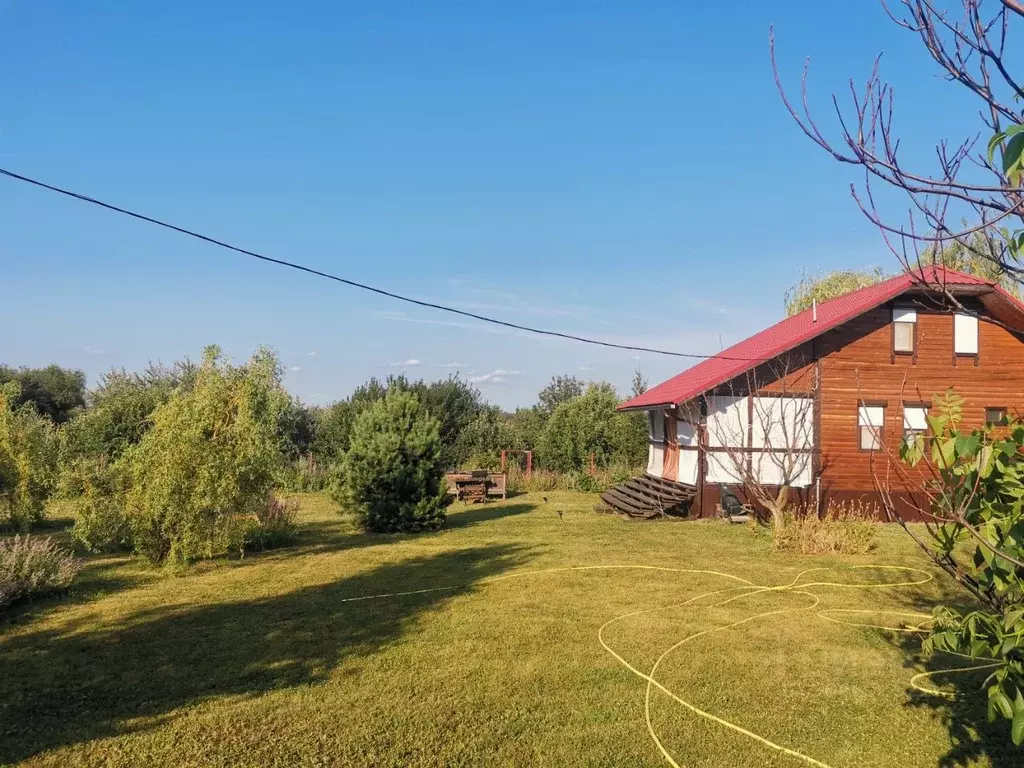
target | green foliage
[
  {"x": 392, "y": 475},
  {"x": 822, "y": 287},
  {"x": 32, "y": 566},
  {"x": 561, "y": 390},
  {"x": 208, "y": 461},
  {"x": 101, "y": 524},
  {"x": 28, "y": 460},
  {"x": 589, "y": 424},
  {"x": 118, "y": 415},
  {"x": 483, "y": 439},
  {"x": 453, "y": 402},
  {"x": 272, "y": 526},
  {"x": 979, "y": 255},
  {"x": 296, "y": 428},
  {"x": 56, "y": 392},
  {"x": 978, "y": 495}
]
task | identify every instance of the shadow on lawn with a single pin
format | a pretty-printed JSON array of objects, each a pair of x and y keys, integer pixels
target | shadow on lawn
[
  {"x": 58, "y": 688},
  {"x": 973, "y": 738},
  {"x": 484, "y": 513}
]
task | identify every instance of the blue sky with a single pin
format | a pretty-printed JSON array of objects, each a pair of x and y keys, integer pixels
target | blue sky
[{"x": 613, "y": 169}]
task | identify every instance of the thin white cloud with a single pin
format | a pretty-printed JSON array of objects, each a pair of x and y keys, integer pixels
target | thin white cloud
[
  {"x": 90, "y": 349},
  {"x": 295, "y": 368},
  {"x": 410, "y": 363},
  {"x": 454, "y": 365},
  {"x": 497, "y": 376},
  {"x": 586, "y": 367},
  {"x": 311, "y": 354}
]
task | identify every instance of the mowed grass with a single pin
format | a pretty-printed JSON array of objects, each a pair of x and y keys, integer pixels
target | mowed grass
[{"x": 268, "y": 661}]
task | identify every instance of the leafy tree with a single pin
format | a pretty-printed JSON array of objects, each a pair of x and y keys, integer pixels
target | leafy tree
[
  {"x": 208, "y": 462},
  {"x": 822, "y": 287},
  {"x": 27, "y": 460},
  {"x": 483, "y": 439},
  {"x": 54, "y": 391},
  {"x": 455, "y": 404},
  {"x": 392, "y": 477},
  {"x": 973, "y": 483},
  {"x": 560, "y": 390},
  {"x": 525, "y": 427},
  {"x": 979, "y": 255},
  {"x": 296, "y": 429},
  {"x": 590, "y": 424},
  {"x": 119, "y": 411}
]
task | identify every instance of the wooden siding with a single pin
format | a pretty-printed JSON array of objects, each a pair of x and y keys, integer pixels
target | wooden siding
[{"x": 857, "y": 363}]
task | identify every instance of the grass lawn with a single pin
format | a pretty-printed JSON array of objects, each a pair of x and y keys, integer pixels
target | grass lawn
[{"x": 267, "y": 661}]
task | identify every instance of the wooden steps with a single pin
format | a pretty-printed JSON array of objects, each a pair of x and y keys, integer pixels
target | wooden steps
[{"x": 646, "y": 497}]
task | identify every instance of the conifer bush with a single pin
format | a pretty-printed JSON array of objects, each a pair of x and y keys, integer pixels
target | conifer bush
[{"x": 392, "y": 477}]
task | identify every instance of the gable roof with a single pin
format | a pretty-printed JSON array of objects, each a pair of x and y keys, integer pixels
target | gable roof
[{"x": 800, "y": 328}]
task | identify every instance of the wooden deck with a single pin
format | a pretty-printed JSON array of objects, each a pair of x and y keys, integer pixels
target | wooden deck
[{"x": 646, "y": 497}]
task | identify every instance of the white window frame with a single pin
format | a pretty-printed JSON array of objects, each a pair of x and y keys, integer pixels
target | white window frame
[
  {"x": 870, "y": 417},
  {"x": 903, "y": 316},
  {"x": 915, "y": 421},
  {"x": 965, "y": 334}
]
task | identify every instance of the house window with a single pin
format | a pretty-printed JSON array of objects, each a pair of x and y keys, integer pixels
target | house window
[
  {"x": 904, "y": 323},
  {"x": 870, "y": 419},
  {"x": 996, "y": 417},
  {"x": 656, "y": 426},
  {"x": 915, "y": 421},
  {"x": 965, "y": 334}
]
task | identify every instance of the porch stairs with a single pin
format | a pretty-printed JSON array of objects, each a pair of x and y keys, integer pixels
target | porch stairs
[{"x": 648, "y": 497}]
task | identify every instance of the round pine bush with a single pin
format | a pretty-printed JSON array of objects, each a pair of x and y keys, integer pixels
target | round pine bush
[{"x": 392, "y": 474}]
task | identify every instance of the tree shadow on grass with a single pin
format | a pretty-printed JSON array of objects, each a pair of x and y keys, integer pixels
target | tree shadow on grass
[
  {"x": 485, "y": 513},
  {"x": 973, "y": 739},
  {"x": 59, "y": 688}
]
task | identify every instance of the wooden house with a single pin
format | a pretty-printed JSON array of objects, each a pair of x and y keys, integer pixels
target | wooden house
[{"x": 821, "y": 400}]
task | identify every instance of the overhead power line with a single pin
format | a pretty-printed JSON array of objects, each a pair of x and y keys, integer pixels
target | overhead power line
[{"x": 353, "y": 283}]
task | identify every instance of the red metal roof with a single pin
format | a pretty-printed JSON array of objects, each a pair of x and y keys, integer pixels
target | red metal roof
[{"x": 794, "y": 331}]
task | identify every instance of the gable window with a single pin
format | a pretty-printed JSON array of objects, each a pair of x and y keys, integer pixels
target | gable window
[
  {"x": 870, "y": 419},
  {"x": 915, "y": 421},
  {"x": 965, "y": 334},
  {"x": 996, "y": 417},
  {"x": 904, "y": 326}
]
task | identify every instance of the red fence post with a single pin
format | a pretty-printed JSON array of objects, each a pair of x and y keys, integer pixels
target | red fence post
[
  {"x": 529, "y": 463},
  {"x": 502, "y": 460}
]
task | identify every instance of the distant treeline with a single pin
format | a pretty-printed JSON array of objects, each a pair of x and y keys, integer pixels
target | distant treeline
[{"x": 103, "y": 445}]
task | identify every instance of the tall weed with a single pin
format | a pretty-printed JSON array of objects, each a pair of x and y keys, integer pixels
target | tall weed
[
  {"x": 846, "y": 528},
  {"x": 32, "y": 566}
]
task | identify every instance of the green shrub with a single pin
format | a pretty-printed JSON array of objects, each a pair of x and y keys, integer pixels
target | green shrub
[
  {"x": 393, "y": 478},
  {"x": 299, "y": 477},
  {"x": 31, "y": 566},
  {"x": 28, "y": 461},
  {"x": 589, "y": 425},
  {"x": 272, "y": 526},
  {"x": 845, "y": 528},
  {"x": 101, "y": 524},
  {"x": 210, "y": 459}
]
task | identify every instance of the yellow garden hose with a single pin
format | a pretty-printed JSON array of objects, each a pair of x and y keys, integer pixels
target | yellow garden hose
[{"x": 743, "y": 589}]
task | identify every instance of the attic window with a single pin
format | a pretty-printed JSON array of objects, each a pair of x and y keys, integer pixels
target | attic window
[
  {"x": 965, "y": 334},
  {"x": 904, "y": 330}
]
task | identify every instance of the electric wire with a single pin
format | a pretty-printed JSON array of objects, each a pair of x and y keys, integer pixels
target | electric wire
[{"x": 354, "y": 283}]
